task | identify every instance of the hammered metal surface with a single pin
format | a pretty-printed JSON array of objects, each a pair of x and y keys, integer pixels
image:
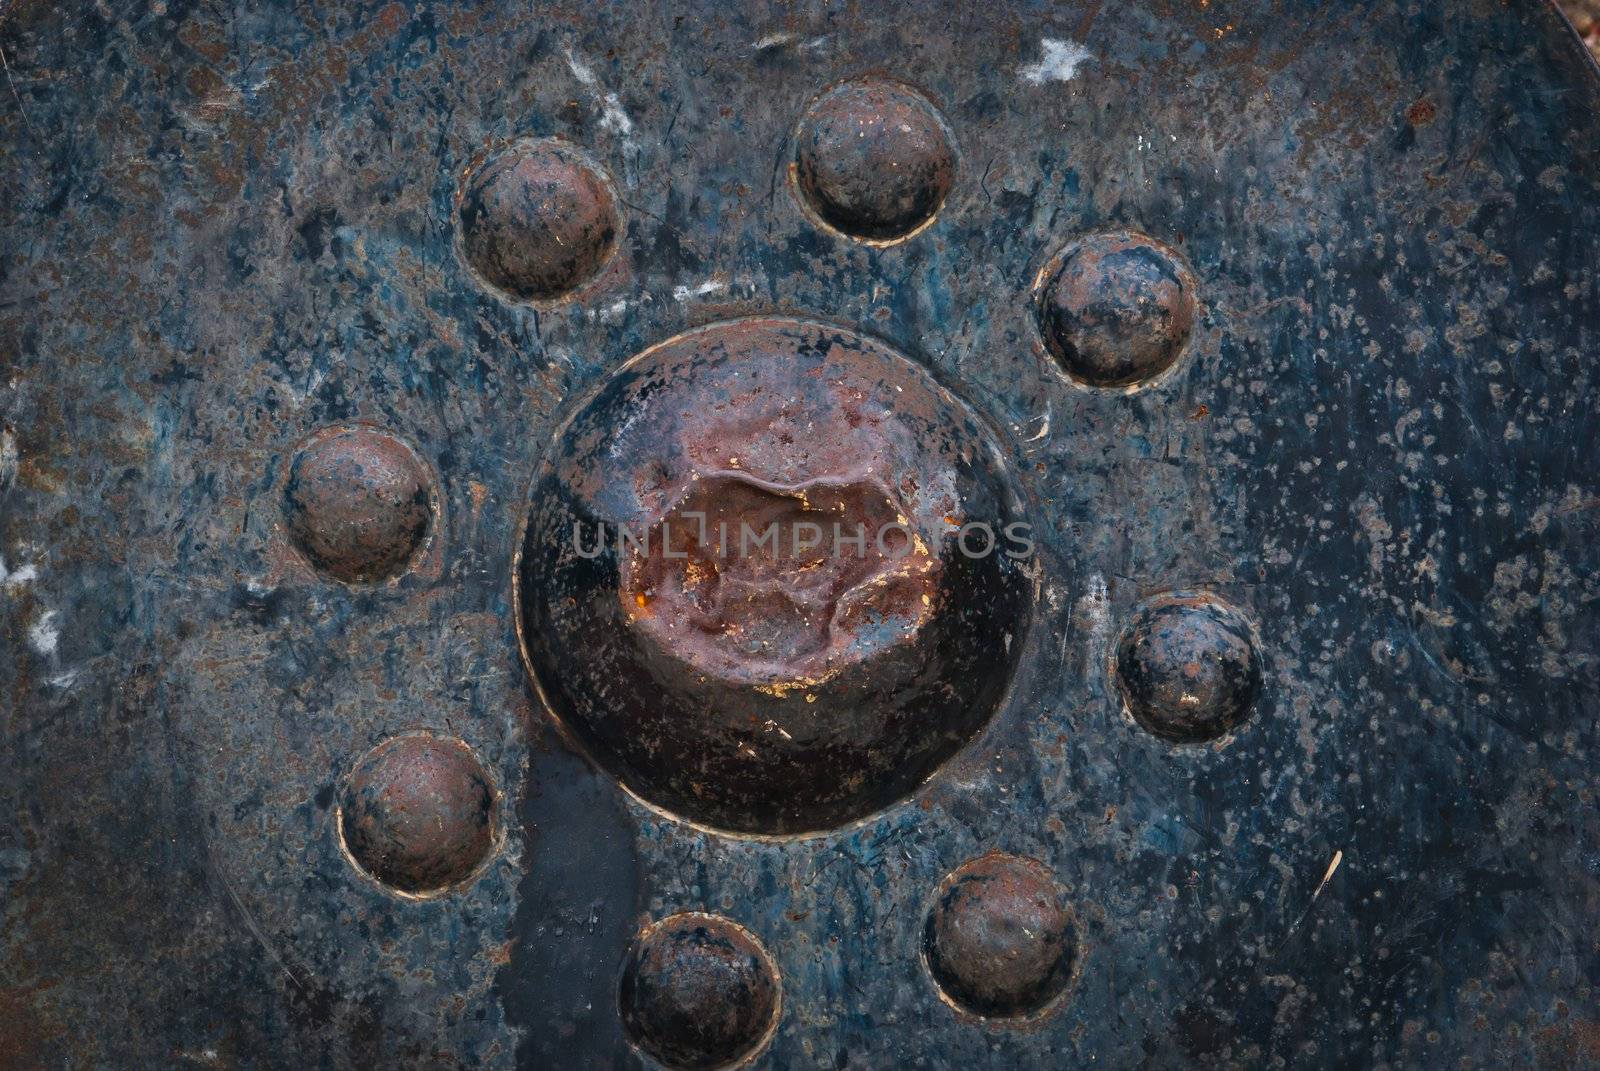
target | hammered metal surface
[{"x": 227, "y": 228}]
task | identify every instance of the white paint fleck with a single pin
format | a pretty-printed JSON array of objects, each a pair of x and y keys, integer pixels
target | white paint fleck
[
  {"x": 1044, "y": 424},
  {"x": 710, "y": 286},
  {"x": 1061, "y": 61},
  {"x": 9, "y": 458},
  {"x": 612, "y": 117},
  {"x": 774, "y": 41},
  {"x": 618, "y": 308},
  {"x": 43, "y": 634},
  {"x": 14, "y": 579}
]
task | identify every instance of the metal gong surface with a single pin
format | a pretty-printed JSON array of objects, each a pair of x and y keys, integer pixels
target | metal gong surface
[{"x": 1204, "y": 392}]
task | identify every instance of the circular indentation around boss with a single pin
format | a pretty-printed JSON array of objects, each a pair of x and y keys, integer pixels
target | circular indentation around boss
[
  {"x": 1116, "y": 309},
  {"x": 698, "y": 992},
  {"x": 818, "y": 670},
  {"x": 874, "y": 160},
  {"x": 418, "y": 813},
  {"x": 1188, "y": 668},
  {"x": 999, "y": 940},
  {"x": 358, "y": 503},
  {"x": 538, "y": 220}
]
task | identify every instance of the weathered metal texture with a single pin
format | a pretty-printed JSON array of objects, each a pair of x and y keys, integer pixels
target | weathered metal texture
[
  {"x": 358, "y": 503},
  {"x": 999, "y": 941},
  {"x": 418, "y": 814},
  {"x": 1188, "y": 668},
  {"x": 228, "y": 229},
  {"x": 698, "y": 992},
  {"x": 742, "y": 585}
]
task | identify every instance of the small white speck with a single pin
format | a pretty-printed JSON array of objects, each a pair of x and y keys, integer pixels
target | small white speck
[
  {"x": 1333, "y": 865},
  {"x": 1044, "y": 424},
  {"x": 1095, "y": 604}
]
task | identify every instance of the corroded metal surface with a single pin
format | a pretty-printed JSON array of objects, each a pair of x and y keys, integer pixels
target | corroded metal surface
[
  {"x": 698, "y": 992},
  {"x": 1188, "y": 668},
  {"x": 358, "y": 503},
  {"x": 297, "y": 300},
  {"x": 418, "y": 814},
  {"x": 763, "y": 579},
  {"x": 999, "y": 940}
]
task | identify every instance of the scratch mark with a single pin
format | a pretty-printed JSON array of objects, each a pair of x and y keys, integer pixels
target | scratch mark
[
  {"x": 1333, "y": 864},
  {"x": 22, "y": 111},
  {"x": 1327, "y": 876},
  {"x": 250, "y": 924}
]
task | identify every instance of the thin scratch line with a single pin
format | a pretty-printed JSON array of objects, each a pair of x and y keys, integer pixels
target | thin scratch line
[
  {"x": 1327, "y": 876},
  {"x": 1333, "y": 864},
  {"x": 22, "y": 111}
]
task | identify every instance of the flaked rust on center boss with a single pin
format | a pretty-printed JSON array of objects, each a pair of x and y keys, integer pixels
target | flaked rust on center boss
[{"x": 769, "y": 578}]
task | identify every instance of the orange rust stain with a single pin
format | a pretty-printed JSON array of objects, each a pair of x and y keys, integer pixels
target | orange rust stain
[
  {"x": 1421, "y": 113},
  {"x": 390, "y": 19}
]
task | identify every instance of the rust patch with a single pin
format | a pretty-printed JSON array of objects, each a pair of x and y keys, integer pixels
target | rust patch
[
  {"x": 1423, "y": 112},
  {"x": 698, "y": 991},
  {"x": 763, "y": 582},
  {"x": 358, "y": 503},
  {"x": 418, "y": 813},
  {"x": 874, "y": 160},
  {"x": 999, "y": 940}
]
